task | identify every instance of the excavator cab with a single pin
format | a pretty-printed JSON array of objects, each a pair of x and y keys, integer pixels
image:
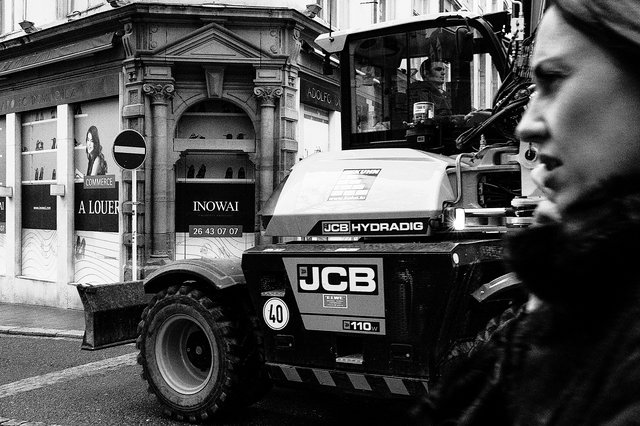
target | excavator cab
[{"x": 418, "y": 87}]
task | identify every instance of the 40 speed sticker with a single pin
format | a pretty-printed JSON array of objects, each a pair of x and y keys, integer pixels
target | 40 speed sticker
[{"x": 275, "y": 313}]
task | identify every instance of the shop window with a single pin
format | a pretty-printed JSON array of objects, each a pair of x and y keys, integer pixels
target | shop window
[
  {"x": 39, "y": 147},
  {"x": 3, "y": 200},
  {"x": 215, "y": 182},
  {"x": 316, "y": 132},
  {"x": 195, "y": 166},
  {"x": 215, "y": 205},
  {"x": 39, "y": 155},
  {"x": 215, "y": 120},
  {"x": 98, "y": 183}
]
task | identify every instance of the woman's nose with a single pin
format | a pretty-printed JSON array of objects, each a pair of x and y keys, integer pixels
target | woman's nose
[{"x": 532, "y": 127}]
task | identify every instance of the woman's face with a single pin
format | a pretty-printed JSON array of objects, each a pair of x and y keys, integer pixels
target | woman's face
[
  {"x": 90, "y": 145},
  {"x": 584, "y": 114}
]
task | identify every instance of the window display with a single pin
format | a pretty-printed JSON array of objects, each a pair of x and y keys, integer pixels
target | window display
[
  {"x": 39, "y": 235},
  {"x": 3, "y": 200},
  {"x": 215, "y": 206},
  {"x": 97, "y": 200}
]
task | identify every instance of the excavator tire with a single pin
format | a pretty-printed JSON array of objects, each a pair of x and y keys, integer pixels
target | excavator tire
[{"x": 198, "y": 354}]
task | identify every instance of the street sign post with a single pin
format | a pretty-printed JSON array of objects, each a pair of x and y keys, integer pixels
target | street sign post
[{"x": 130, "y": 151}]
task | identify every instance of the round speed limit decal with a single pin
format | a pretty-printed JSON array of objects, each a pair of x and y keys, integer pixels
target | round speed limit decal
[{"x": 275, "y": 313}]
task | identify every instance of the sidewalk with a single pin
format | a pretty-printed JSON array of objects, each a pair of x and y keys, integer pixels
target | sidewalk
[{"x": 32, "y": 320}]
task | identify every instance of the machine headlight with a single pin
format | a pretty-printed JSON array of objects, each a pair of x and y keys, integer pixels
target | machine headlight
[{"x": 459, "y": 219}]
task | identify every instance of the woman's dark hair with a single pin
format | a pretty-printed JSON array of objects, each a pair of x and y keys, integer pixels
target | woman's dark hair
[
  {"x": 612, "y": 24},
  {"x": 95, "y": 138},
  {"x": 96, "y": 154}
]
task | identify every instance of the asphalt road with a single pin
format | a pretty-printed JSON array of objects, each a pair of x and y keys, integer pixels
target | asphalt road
[{"x": 52, "y": 381}]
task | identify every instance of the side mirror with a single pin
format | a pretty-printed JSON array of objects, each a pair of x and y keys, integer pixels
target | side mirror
[{"x": 464, "y": 44}]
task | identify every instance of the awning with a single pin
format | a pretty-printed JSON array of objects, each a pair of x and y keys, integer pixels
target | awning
[{"x": 65, "y": 52}]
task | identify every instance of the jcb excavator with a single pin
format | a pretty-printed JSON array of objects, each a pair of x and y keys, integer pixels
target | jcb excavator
[{"x": 393, "y": 256}]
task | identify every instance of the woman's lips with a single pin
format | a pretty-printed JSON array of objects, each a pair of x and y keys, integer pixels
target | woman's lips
[
  {"x": 543, "y": 176},
  {"x": 550, "y": 162}
]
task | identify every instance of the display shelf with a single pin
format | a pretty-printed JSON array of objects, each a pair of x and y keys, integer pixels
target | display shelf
[
  {"x": 37, "y": 122},
  {"x": 39, "y": 182},
  {"x": 244, "y": 145},
  {"x": 213, "y": 180},
  {"x": 30, "y": 278},
  {"x": 41, "y": 151},
  {"x": 214, "y": 114}
]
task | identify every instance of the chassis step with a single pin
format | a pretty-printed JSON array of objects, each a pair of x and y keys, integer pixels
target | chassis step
[{"x": 376, "y": 384}]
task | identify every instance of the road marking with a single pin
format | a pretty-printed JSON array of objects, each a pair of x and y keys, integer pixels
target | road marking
[{"x": 26, "y": 385}]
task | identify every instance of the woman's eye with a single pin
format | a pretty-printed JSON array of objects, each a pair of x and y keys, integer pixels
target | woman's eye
[{"x": 547, "y": 81}]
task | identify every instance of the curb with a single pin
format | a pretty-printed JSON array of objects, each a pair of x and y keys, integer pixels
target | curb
[
  {"x": 41, "y": 332},
  {"x": 14, "y": 422}
]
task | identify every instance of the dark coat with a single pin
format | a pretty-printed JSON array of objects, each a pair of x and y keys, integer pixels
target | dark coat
[
  {"x": 425, "y": 91},
  {"x": 576, "y": 359}
]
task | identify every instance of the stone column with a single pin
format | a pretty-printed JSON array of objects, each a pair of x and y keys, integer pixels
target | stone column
[
  {"x": 65, "y": 204},
  {"x": 161, "y": 171},
  {"x": 13, "y": 208},
  {"x": 267, "y": 96}
]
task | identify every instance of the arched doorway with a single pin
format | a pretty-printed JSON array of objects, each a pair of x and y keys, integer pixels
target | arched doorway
[{"x": 215, "y": 182}]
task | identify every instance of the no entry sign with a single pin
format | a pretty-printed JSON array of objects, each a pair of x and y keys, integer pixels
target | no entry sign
[{"x": 129, "y": 149}]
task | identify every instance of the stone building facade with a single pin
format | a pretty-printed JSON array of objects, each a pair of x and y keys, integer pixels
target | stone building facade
[{"x": 216, "y": 94}]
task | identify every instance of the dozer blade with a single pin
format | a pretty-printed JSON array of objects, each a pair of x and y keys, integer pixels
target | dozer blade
[{"x": 111, "y": 313}]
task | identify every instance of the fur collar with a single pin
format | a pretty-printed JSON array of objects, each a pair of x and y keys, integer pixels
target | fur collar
[{"x": 589, "y": 260}]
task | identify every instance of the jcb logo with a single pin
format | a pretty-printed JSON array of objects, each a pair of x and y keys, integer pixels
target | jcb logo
[
  {"x": 336, "y": 228},
  {"x": 361, "y": 279}
]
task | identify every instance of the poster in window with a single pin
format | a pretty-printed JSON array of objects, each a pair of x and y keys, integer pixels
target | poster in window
[
  {"x": 38, "y": 207},
  {"x": 97, "y": 241},
  {"x": 215, "y": 204},
  {"x": 97, "y": 209}
]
